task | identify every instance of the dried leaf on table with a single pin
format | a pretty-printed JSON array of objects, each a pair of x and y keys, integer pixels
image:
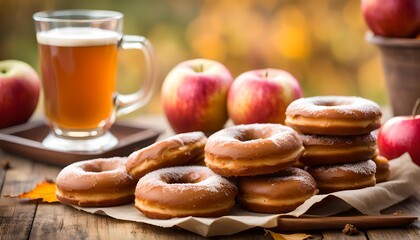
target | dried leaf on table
[
  {"x": 349, "y": 229},
  {"x": 293, "y": 236},
  {"x": 45, "y": 190}
]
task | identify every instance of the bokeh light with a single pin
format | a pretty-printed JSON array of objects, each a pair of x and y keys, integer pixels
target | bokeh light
[{"x": 320, "y": 42}]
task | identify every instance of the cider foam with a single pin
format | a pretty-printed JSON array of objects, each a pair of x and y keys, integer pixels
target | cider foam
[{"x": 77, "y": 37}]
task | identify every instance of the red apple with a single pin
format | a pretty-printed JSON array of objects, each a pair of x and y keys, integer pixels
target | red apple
[
  {"x": 392, "y": 18},
  {"x": 194, "y": 96},
  {"x": 399, "y": 135},
  {"x": 19, "y": 92},
  {"x": 262, "y": 96}
]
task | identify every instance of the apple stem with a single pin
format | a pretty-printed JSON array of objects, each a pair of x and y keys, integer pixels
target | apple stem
[
  {"x": 266, "y": 73},
  {"x": 201, "y": 69},
  {"x": 416, "y": 107}
]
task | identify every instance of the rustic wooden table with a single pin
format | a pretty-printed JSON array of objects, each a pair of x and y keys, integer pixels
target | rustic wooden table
[{"x": 31, "y": 220}]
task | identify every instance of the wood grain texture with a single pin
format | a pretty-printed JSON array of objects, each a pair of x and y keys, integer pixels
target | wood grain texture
[
  {"x": 16, "y": 217},
  {"x": 337, "y": 234},
  {"x": 392, "y": 233}
]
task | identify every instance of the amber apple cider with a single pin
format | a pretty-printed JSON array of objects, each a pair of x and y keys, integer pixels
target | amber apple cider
[{"x": 78, "y": 68}]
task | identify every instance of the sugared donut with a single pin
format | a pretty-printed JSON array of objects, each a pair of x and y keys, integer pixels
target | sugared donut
[
  {"x": 332, "y": 178},
  {"x": 253, "y": 149},
  {"x": 333, "y": 115},
  {"x": 177, "y": 150},
  {"x": 96, "y": 183},
  {"x": 322, "y": 149},
  {"x": 184, "y": 191},
  {"x": 382, "y": 169},
  {"x": 280, "y": 192}
]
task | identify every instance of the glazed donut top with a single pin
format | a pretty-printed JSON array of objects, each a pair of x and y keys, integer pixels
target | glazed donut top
[
  {"x": 254, "y": 139},
  {"x": 293, "y": 182},
  {"x": 159, "y": 149},
  {"x": 286, "y": 175},
  {"x": 336, "y": 141},
  {"x": 92, "y": 174},
  {"x": 334, "y": 107},
  {"x": 185, "y": 178},
  {"x": 361, "y": 168}
]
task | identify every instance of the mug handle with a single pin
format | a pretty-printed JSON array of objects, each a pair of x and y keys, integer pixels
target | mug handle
[{"x": 126, "y": 103}]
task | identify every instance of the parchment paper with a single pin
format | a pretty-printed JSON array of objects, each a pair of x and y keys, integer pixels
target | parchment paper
[{"x": 404, "y": 182}]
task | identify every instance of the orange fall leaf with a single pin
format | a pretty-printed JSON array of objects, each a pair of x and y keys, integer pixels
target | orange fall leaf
[
  {"x": 45, "y": 190},
  {"x": 294, "y": 236}
]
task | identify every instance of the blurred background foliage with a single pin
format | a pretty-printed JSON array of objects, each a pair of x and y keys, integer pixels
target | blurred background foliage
[{"x": 320, "y": 42}]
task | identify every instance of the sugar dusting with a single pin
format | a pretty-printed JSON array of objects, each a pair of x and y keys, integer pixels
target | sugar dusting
[
  {"x": 346, "y": 105},
  {"x": 110, "y": 165},
  {"x": 307, "y": 139},
  {"x": 294, "y": 174},
  {"x": 161, "y": 148},
  {"x": 280, "y": 135},
  {"x": 109, "y": 168},
  {"x": 184, "y": 138},
  {"x": 211, "y": 183},
  {"x": 363, "y": 167}
]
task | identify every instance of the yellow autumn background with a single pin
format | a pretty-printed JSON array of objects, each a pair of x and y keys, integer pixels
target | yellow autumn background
[{"x": 320, "y": 42}]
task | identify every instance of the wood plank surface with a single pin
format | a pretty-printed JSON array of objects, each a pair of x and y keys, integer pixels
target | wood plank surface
[
  {"x": 337, "y": 234},
  {"x": 16, "y": 217}
]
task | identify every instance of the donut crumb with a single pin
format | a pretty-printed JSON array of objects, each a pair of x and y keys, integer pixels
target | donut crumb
[{"x": 349, "y": 229}]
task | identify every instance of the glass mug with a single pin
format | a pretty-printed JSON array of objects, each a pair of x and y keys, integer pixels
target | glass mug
[{"x": 78, "y": 58}]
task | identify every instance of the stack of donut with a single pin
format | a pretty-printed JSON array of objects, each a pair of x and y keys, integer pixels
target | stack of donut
[
  {"x": 340, "y": 148},
  {"x": 260, "y": 157}
]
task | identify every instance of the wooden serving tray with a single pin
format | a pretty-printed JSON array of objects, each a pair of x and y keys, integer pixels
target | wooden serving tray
[{"x": 26, "y": 140}]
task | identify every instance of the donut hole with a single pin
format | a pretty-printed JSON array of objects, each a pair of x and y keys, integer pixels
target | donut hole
[
  {"x": 332, "y": 103},
  {"x": 92, "y": 168},
  {"x": 97, "y": 168},
  {"x": 251, "y": 135},
  {"x": 183, "y": 179}
]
